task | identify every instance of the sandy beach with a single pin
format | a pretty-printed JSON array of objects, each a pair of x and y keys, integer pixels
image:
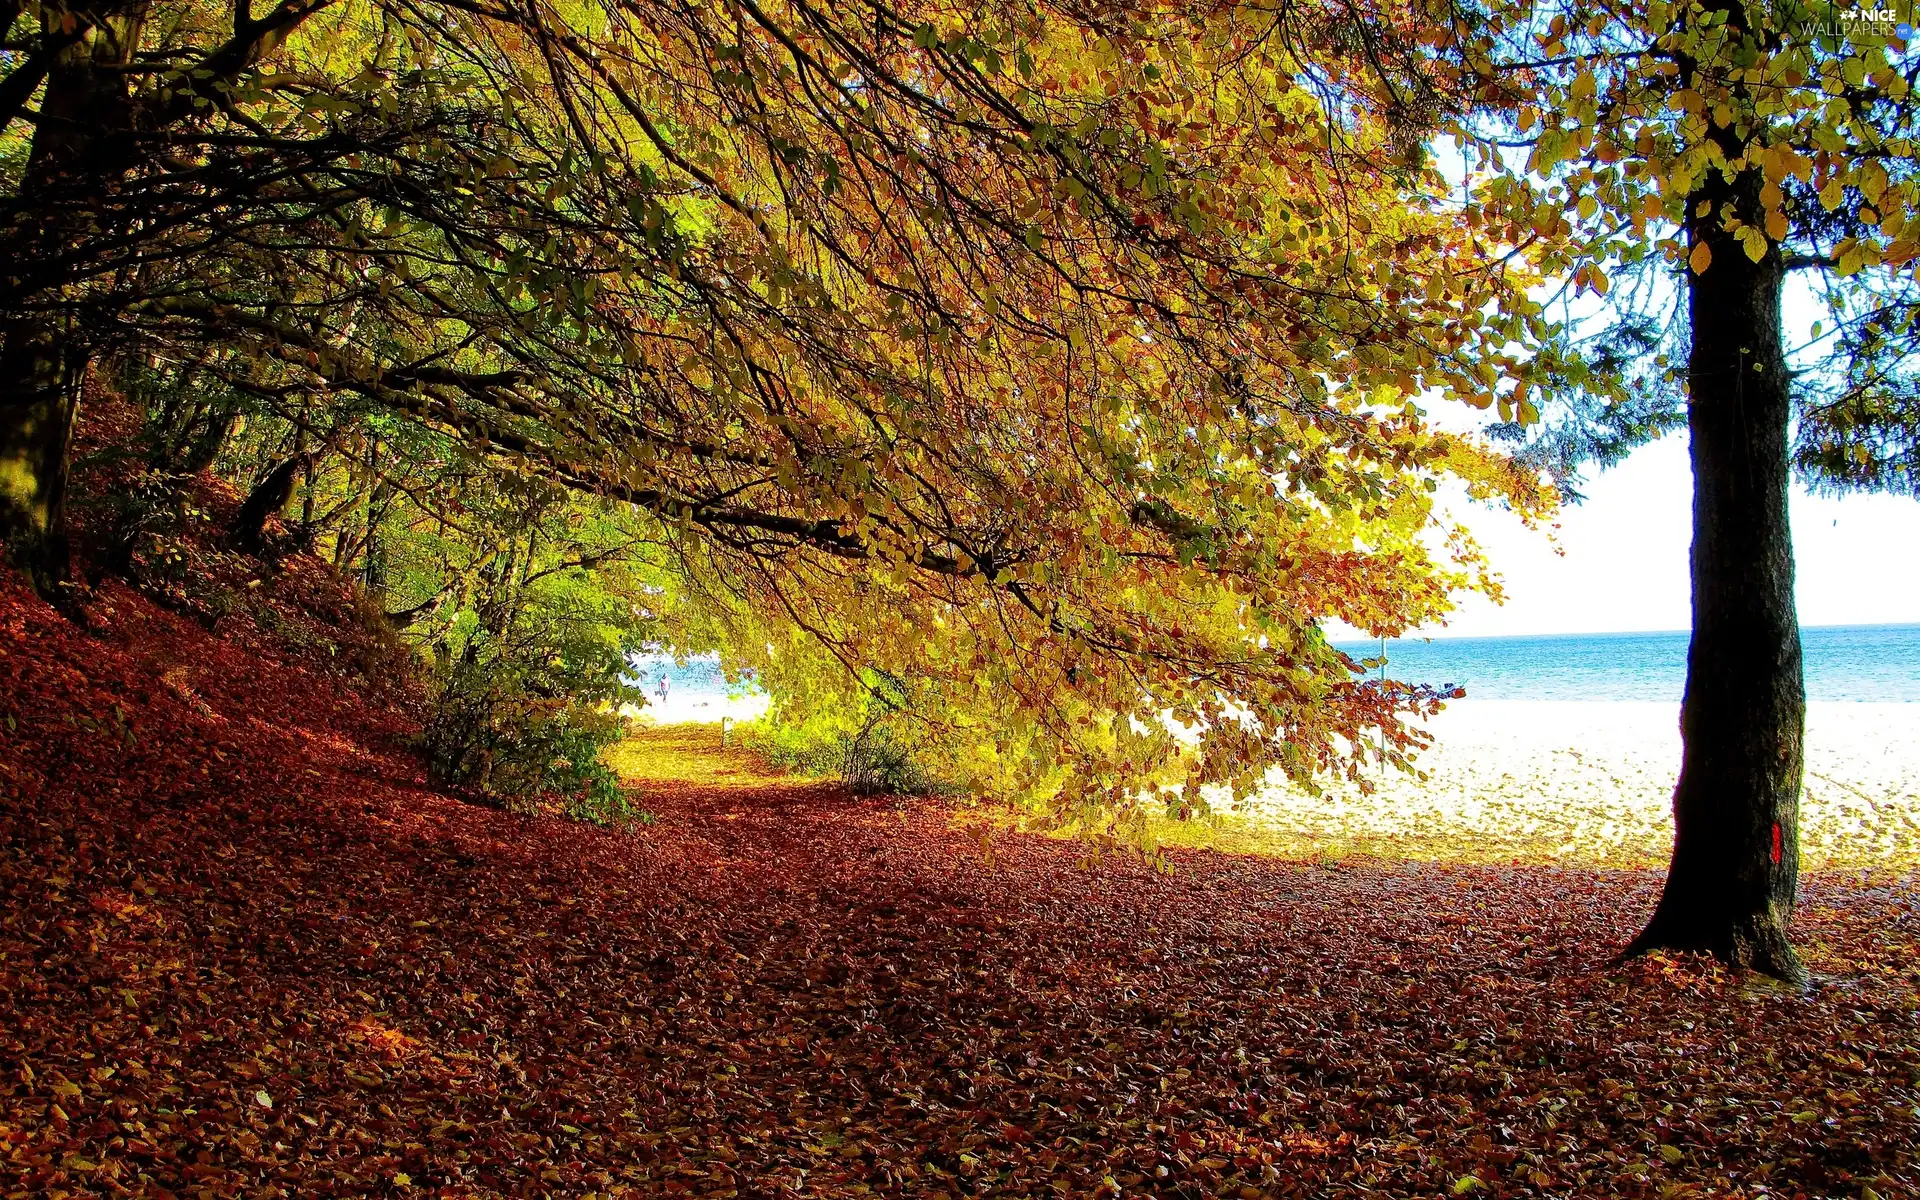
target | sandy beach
[
  {"x": 1591, "y": 782},
  {"x": 1575, "y": 782}
]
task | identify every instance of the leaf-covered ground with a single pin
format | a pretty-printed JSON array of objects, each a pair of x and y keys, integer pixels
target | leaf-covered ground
[{"x": 245, "y": 952}]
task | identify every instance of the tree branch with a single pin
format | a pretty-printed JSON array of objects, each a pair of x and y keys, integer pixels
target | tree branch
[
  {"x": 251, "y": 41},
  {"x": 20, "y": 84},
  {"x": 1808, "y": 262}
]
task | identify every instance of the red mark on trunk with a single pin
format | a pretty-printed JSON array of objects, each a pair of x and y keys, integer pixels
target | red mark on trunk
[{"x": 1776, "y": 843}]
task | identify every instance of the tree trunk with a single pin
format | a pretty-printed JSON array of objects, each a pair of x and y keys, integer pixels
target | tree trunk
[
  {"x": 248, "y": 529},
  {"x": 204, "y": 450},
  {"x": 374, "y": 565},
  {"x": 81, "y": 143},
  {"x": 1730, "y": 889},
  {"x": 307, "y": 472},
  {"x": 39, "y": 392}
]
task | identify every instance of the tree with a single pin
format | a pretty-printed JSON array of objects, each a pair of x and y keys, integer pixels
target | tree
[
  {"x": 1059, "y": 360},
  {"x": 1727, "y": 147}
]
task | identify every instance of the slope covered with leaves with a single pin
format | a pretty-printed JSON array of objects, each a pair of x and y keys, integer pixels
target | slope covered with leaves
[{"x": 245, "y": 951}]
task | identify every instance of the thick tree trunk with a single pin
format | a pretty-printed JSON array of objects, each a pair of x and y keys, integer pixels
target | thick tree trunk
[
  {"x": 39, "y": 393},
  {"x": 374, "y": 563},
  {"x": 1730, "y": 889},
  {"x": 81, "y": 144},
  {"x": 204, "y": 450}
]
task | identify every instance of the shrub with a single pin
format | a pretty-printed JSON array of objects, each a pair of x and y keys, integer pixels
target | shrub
[
  {"x": 530, "y": 671},
  {"x": 882, "y": 760},
  {"x": 875, "y": 746},
  {"x": 488, "y": 732}
]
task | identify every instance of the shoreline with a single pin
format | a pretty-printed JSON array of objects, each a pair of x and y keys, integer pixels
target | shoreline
[
  {"x": 1590, "y": 783},
  {"x": 1574, "y": 783}
]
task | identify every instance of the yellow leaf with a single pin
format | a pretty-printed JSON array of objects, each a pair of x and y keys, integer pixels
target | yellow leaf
[
  {"x": 1754, "y": 243},
  {"x": 1872, "y": 182},
  {"x": 1777, "y": 225},
  {"x": 1700, "y": 259}
]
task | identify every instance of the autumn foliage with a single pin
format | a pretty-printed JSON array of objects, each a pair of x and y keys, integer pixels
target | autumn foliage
[
  {"x": 1062, "y": 363},
  {"x": 246, "y": 951},
  {"x": 1044, "y": 376}
]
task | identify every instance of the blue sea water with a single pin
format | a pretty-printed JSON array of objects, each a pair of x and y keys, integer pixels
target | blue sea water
[
  {"x": 698, "y": 675},
  {"x": 1843, "y": 662}
]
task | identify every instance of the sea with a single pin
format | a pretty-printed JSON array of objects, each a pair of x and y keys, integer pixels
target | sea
[
  {"x": 697, "y": 674},
  {"x": 1842, "y": 662}
]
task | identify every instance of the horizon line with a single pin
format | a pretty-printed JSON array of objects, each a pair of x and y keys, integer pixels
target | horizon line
[{"x": 1498, "y": 637}]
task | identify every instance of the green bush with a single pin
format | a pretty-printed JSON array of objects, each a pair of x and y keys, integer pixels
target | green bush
[
  {"x": 801, "y": 748},
  {"x": 526, "y": 749},
  {"x": 881, "y": 760},
  {"x": 530, "y": 650},
  {"x": 874, "y": 747}
]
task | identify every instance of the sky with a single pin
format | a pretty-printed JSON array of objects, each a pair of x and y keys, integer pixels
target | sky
[{"x": 1624, "y": 561}]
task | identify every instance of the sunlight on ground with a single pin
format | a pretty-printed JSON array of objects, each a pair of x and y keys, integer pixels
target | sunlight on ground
[
  {"x": 1574, "y": 783},
  {"x": 691, "y": 753},
  {"x": 1590, "y": 783}
]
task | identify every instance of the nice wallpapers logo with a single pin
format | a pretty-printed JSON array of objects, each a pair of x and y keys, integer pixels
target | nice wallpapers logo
[{"x": 1876, "y": 22}]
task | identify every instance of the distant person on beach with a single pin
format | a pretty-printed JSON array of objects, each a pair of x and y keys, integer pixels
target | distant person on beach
[{"x": 662, "y": 689}]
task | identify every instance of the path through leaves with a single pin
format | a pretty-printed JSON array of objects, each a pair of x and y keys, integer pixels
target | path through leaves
[{"x": 245, "y": 952}]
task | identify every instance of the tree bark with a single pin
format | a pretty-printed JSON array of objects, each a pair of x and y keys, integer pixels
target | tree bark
[
  {"x": 81, "y": 143},
  {"x": 374, "y": 563},
  {"x": 247, "y": 530},
  {"x": 39, "y": 394},
  {"x": 1731, "y": 886},
  {"x": 204, "y": 450}
]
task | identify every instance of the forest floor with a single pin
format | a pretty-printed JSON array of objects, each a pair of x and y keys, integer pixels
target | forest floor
[{"x": 246, "y": 951}]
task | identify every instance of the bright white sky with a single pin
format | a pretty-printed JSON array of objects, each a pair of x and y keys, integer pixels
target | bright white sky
[{"x": 1624, "y": 565}]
